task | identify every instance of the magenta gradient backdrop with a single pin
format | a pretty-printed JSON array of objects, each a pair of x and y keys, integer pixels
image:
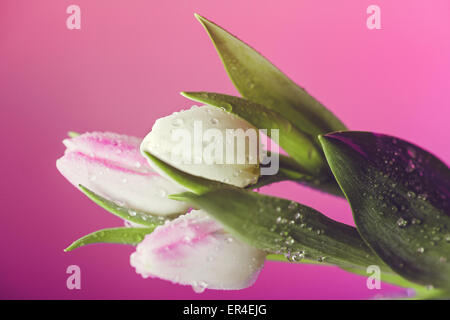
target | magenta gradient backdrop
[{"x": 125, "y": 68}]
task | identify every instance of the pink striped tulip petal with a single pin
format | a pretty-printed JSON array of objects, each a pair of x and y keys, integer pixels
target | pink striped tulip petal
[
  {"x": 194, "y": 250},
  {"x": 111, "y": 166}
]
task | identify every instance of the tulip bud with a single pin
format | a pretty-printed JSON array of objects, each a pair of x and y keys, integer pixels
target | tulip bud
[
  {"x": 207, "y": 142},
  {"x": 194, "y": 250},
  {"x": 111, "y": 166}
]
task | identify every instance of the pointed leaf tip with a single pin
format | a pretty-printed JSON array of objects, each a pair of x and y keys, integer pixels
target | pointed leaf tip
[
  {"x": 130, "y": 236},
  {"x": 399, "y": 197},
  {"x": 258, "y": 80}
]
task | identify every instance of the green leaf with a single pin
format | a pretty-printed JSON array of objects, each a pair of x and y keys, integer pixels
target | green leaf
[
  {"x": 193, "y": 183},
  {"x": 131, "y": 236},
  {"x": 298, "y": 145},
  {"x": 399, "y": 197},
  {"x": 421, "y": 292},
  {"x": 260, "y": 81},
  {"x": 136, "y": 216},
  {"x": 385, "y": 276},
  {"x": 285, "y": 227},
  {"x": 72, "y": 134}
]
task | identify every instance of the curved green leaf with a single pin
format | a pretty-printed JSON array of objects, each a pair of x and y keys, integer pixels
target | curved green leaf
[
  {"x": 136, "y": 216},
  {"x": 201, "y": 185},
  {"x": 260, "y": 81},
  {"x": 387, "y": 277},
  {"x": 193, "y": 183},
  {"x": 281, "y": 226},
  {"x": 399, "y": 196},
  {"x": 131, "y": 236},
  {"x": 298, "y": 145}
]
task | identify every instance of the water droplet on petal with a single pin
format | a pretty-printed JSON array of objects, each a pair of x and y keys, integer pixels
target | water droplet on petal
[
  {"x": 199, "y": 287},
  {"x": 177, "y": 122}
]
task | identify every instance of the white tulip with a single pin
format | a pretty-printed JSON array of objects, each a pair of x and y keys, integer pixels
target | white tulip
[{"x": 191, "y": 134}]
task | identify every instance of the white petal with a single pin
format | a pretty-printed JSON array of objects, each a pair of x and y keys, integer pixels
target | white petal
[
  {"x": 194, "y": 250},
  {"x": 134, "y": 187},
  {"x": 161, "y": 143},
  {"x": 120, "y": 149}
]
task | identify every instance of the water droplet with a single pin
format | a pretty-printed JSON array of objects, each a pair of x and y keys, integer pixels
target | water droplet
[
  {"x": 292, "y": 205},
  {"x": 119, "y": 203},
  {"x": 411, "y": 152},
  {"x": 281, "y": 220},
  {"x": 402, "y": 223},
  {"x": 410, "y": 194},
  {"x": 132, "y": 213},
  {"x": 422, "y": 197},
  {"x": 290, "y": 241},
  {"x": 177, "y": 122},
  {"x": 199, "y": 287},
  {"x": 410, "y": 167},
  {"x": 298, "y": 216},
  {"x": 214, "y": 121}
]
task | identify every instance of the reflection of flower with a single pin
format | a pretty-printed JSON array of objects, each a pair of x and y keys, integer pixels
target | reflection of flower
[
  {"x": 194, "y": 250},
  {"x": 173, "y": 139},
  {"x": 111, "y": 166}
]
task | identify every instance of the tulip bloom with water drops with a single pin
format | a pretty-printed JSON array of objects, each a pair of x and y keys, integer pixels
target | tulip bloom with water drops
[
  {"x": 210, "y": 126},
  {"x": 194, "y": 250},
  {"x": 111, "y": 166}
]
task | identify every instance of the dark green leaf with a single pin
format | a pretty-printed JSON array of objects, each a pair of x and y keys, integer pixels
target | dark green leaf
[
  {"x": 131, "y": 236},
  {"x": 285, "y": 227},
  {"x": 136, "y": 216},
  {"x": 260, "y": 81},
  {"x": 298, "y": 145},
  {"x": 399, "y": 196}
]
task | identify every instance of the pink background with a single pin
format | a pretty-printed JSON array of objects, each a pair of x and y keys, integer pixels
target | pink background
[{"x": 124, "y": 69}]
